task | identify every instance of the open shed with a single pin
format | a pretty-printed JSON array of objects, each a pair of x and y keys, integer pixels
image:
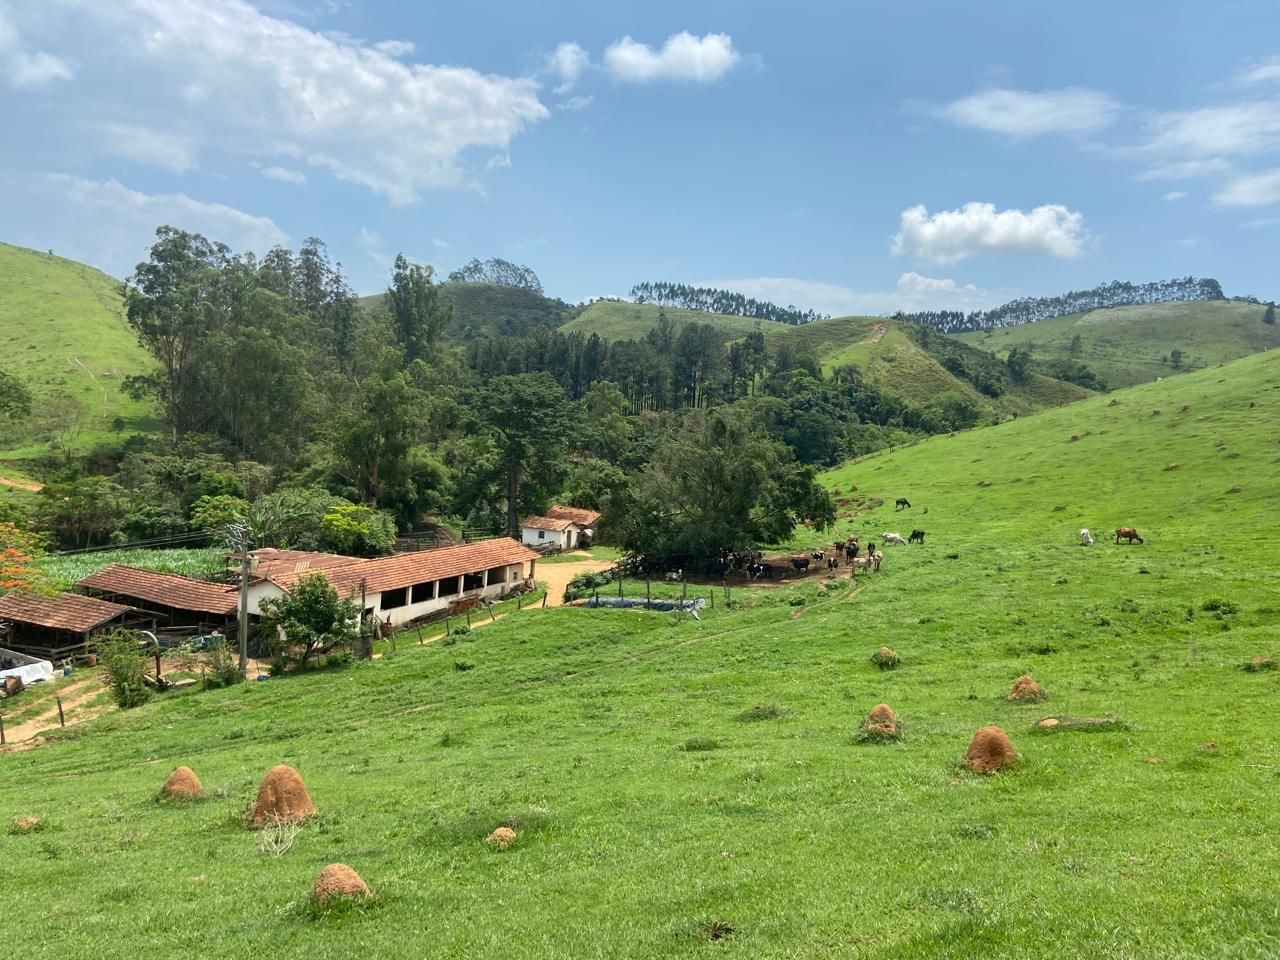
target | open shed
[
  {"x": 174, "y": 601},
  {"x": 56, "y": 627}
]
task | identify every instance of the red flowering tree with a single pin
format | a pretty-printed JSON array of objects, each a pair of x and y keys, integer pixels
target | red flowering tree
[{"x": 20, "y": 556}]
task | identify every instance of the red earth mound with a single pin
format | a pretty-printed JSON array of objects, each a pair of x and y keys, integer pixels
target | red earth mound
[
  {"x": 989, "y": 751},
  {"x": 282, "y": 796},
  {"x": 1025, "y": 690},
  {"x": 882, "y": 720},
  {"x": 501, "y": 838},
  {"x": 338, "y": 880},
  {"x": 183, "y": 784}
]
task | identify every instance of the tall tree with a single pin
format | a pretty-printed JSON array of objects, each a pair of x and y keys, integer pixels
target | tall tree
[
  {"x": 372, "y": 438},
  {"x": 172, "y": 303},
  {"x": 533, "y": 420},
  {"x": 418, "y": 314},
  {"x": 15, "y": 398}
]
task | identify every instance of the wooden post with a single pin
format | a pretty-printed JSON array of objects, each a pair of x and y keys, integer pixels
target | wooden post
[
  {"x": 519, "y": 602},
  {"x": 492, "y": 618},
  {"x": 648, "y": 598},
  {"x": 1, "y": 730},
  {"x": 62, "y": 721},
  {"x": 157, "y": 663},
  {"x": 468, "y": 618},
  {"x": 544, "y": 601},
  {"x": 419, "y": 633},
  {"x": 619, "y": 588}
]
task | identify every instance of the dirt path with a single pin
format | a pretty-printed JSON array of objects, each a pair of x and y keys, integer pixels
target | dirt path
[
  {"x": 557, "y": 576},
  {"x": 21, "y": 485},
  {"x": 75, "y": 709},
  {"x": 877, "y": 332}
]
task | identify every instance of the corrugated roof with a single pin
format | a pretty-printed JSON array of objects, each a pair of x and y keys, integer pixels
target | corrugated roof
[
  {"x": 406, "y": 569},
  {"x": 286, "y": 567},
  {"x": 556, "y": 524},
  {"x": 167, "y": 589},
  {"x": 67, "y": 611},
  {"x": 579, "y": 516}
]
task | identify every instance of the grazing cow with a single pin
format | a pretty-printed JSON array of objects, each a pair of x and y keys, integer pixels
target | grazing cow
[
  {"x": 894, "y": 538},
  {"x": 801, "y": 564},
  {"x": 851, "y": 549},
  {"x": 1129, "y": 534},
  {"x": 833, "y": 563},
  {"x": 902, "y": 503},
  {"x": 758, "y": 569},
  {"x": 1086, "y": 538},
  {"x": 871, "y": 547},
  {"x": 917, "y": 536},
  {"x": 818, "y": 555},
  {"x": 675, "y": 576}
]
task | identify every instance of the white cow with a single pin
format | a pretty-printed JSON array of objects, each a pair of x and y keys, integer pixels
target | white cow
[
  {"x": 894, "y": 538},
  {"x": 1086, "y": 538}
]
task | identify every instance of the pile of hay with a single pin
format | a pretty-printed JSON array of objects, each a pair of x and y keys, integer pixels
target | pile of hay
[
  {"x": 885, "y": 659},
  {"x": 880, "y": 726},
  {"x": 501, "y": 838},
  {"x": 282, "y": 797},
  {"x": 989, "y": 751},
  {"x": 27, "y": 824},
  {"x": 1258, "y": 664},
  {"x": 338, "y": 881},
  {"x": 1026, "y": 690},
  {"x": 183, "y": 784}
]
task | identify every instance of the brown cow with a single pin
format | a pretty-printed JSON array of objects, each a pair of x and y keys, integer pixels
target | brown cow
[{"x": 1128, "y": 533}]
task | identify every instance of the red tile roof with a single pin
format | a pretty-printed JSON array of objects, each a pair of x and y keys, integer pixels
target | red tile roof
[
  {"x": 166, "y": 589},
  {"x": 575, "y": 515},
  {"x": 67, "y": 611},
  {"x": 406, "y": 569},
  {"x": 556, "y": 524},
  {"x": 286, "y": 567}
]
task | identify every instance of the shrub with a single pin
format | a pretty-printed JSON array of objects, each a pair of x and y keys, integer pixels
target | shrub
[
  {"x": 224, "y": 666},
  {"x": 118, "y": 654},
  {"x": 699, "y": 744},
  {"x": 762, "y": 711},
  {"x": 1258, "y": 665},
  {"x": 1220, "y": 606},
  {"x": 885, "y": 659}
]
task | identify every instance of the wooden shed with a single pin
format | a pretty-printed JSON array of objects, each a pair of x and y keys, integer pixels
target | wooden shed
[{"x": 60, "y": 626}]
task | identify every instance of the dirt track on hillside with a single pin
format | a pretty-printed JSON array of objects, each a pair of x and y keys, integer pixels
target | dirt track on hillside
[{"x": 21, "y": 485}]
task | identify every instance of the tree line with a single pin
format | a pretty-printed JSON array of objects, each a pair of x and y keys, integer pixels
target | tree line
[
  {"x": 711, "y": 300},
  {"x": 1117, "y": 293}
]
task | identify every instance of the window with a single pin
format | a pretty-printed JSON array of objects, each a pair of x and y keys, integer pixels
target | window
[
  {"x": 422, "y": 592},
  {"x": 497, "y": 575},
  {"x": 542, "y": 534},
  {"x": 448, "y": 587},
  {"x": 394, "y": 598},
  {"x": 472, "y": 581}
]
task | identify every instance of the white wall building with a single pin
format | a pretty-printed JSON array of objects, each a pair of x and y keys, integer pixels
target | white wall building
[{"x": 560, "y": 528}]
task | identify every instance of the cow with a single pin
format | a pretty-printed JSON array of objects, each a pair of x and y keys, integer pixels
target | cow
[
  {"x": 674, "y": 577},
  {"x": 871, "y": 547},
  {"x": 833, "y": 563},
  {"x": 894, "y": 538},
  {"x": 801, "y": 564},
  {"x": 1129, "y": 534},
  {"x": 1086, "y": 538},
  {"x": 917, "y": 536},
  {"x": 818, "y": 555},
  {"x": 902, "y": 503},
  {"x": 758, "y": 569},
  {"x": 851, "y": 549}
]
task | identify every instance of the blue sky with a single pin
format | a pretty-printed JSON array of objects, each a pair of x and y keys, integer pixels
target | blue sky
[{"x": 852, "y": 157}]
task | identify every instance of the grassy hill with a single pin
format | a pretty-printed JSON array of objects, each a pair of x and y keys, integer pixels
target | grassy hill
[
  {"x": 695, "y": 788},
  {"x": 1128, "y": 345},
  {"x": 62, "y": 328},
  {"x": 615, "y": 320},
  {"x": 483, "y": 310}
]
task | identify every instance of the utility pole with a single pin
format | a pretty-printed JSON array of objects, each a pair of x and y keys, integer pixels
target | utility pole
[{"x": 239, "y": 535}]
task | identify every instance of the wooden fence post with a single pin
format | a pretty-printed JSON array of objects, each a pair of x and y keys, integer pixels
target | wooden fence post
[
  {"x": 1, "y": 730},
  {"x": 62, "y": 721}
]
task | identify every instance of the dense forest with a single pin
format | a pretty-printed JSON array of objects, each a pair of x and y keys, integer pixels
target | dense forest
[
  {"x": 709, "y": 300},
  {"x": 1030, "y": 309}
]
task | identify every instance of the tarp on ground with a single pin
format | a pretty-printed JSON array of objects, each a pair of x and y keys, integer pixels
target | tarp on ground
[
  {"x": 688, "y": 606},
  {"x": 27, "y": 669}
]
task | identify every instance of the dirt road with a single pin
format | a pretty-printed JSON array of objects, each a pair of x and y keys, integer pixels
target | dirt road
[
  {"x": 76, "y": 698},
  {"x": 557, "y": 576},
  {"x": 21, "y": 485}
]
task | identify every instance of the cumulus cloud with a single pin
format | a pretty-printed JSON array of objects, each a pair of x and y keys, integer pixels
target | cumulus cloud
[
  {"x": 913, "y": 292},
  {"x": 230, "y": 77},
  {"x": 567, "y": 62},
  {"x": 1250, "y": 190},
  {"x": 284, "y": 175},
  {"x": 952, "y": 235},
  {"x": 23, "y": 68},
  {"x": 154, "y": 148},
  {"x": 107, "y": 224},
  {"x": 1026, "y": 113},
  {"x": 683, "y": 57}
]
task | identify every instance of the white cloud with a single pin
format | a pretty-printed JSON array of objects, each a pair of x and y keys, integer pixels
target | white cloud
[
  {"x": 683, "y": 57},
  {"x": 232, "y": 78},
  {"x": 284, "y": 175},
  {"x": 394, "y": 48},
  {"x": 1260, "y": 72},
  {"x": 1250, "y": 190},
  {"x": 23, "y": 68},
  {"x": 1235, "y": 129},
  {"x": 912, "y": 293},
  {"x": 153, "y": 148},
  {"x": 567, "y": 62},
  {"x": 1185, "y": 169},
  {"x": 109, "y": 225},
  {"x": 575, "y": 103},
  {"x": 440, "y": 244},
  {"x": 1175, "y": 195},
  {"x": 952, "y": 235},
  {"x": 1025, "y": 113},
  {"x": 1261, "y": 222},
  {"x": 371, "y": 242}
]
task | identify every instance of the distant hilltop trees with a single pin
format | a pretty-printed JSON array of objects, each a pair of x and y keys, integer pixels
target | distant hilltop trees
[
  {"x": 1029, "y": 309},
  {"x": 710, "y": 300},
  {"x": 499, "y": 271}
]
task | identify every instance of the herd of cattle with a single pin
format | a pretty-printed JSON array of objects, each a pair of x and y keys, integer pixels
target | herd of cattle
[{"x": 753, "y": 565}]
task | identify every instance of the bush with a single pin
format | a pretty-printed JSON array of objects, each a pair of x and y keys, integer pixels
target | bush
[
  {"x": 224, "y": 666},
  {"x": 885, "y": 659},
  {"x": 118, "y": 654},
  {"x": 1220, "y": 606}
]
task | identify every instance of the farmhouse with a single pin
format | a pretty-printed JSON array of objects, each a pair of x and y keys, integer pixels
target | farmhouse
[
  {"x": 56, "y": 627},
  {"x": 404, "y": 587},
  {"x": 560, "y": 528}
]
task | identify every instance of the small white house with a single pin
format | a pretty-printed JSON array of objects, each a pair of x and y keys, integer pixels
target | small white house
[
  {"x": 560, "y": 528},
  {"x": 404, "y": 587}
]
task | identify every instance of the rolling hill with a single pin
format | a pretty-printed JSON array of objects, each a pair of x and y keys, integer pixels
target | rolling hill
[
  {"x": 1128, "y": 345},
  {"x": 617, "y": 320},
  {"x": 62, "y": 329},
  {"x": 696, "y": 788}
]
